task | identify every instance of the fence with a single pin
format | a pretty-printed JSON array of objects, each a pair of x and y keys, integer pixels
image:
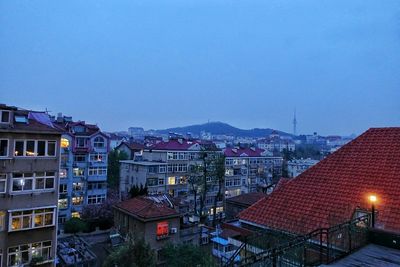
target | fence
[{"x": 321, "y": 246}]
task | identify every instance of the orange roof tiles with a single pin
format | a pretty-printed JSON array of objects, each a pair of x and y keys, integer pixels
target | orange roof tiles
[{"x": 330, "y": 192}]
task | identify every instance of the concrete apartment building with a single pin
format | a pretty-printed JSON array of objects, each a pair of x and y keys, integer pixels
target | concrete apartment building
[
  {"x": 165, "y": 168},
  {"x": 29, "y": 174},
  {"x": 83, "y": 173},
  {"x": 249, "y": 170},
  {"x": 298, "y": 166}
]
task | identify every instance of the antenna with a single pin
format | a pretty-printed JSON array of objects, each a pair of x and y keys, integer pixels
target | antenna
[{"x": 294, "y": 123}]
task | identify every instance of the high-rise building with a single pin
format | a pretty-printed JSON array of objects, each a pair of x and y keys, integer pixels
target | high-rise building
[
  {"x": 29, "y": 175},
  {"x": 83, "y": 173}
]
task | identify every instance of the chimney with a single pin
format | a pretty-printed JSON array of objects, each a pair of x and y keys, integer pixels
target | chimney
[{"x": 60, "y": 118}]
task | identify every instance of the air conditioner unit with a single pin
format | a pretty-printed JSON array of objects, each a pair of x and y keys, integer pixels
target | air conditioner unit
[{"x": 174, "y": 230}]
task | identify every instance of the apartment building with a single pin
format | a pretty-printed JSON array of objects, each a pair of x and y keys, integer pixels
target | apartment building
[
  {"x": 298, "y": 166},
  {"x": 83, "y": 173},
  {"x": 249, "y": 169},
  {"x": 29, "y": 174},
  {"x": 165, "y": 168}
]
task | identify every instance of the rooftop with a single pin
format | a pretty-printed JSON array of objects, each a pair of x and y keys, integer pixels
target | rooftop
[
  {"x": 147, "y": 208},
  {"x": 331, "y": 191},
  {"x": 143, "y": 163},
  {"x": 247, "y": 199},
  {"x": 370, "y": 256},
  {"x": 244, "y": 152}
]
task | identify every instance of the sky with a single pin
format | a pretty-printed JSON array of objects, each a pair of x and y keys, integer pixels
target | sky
[{"x": 166, "y": 63}]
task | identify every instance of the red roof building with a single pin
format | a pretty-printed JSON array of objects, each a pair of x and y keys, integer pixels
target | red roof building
[{"x": 333, "y": 190}]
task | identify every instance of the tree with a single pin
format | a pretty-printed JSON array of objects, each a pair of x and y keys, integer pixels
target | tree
[
  {"x": 194, "y": 180},
  {"x": 136, "y": 253},
  {"x": 136, "y": 191},
  {"x": 187, "y": 255},
  {"x": 219, "y": 176},
  {"x": 75, "y": 225},
  {"x": 114, "y": 167}
]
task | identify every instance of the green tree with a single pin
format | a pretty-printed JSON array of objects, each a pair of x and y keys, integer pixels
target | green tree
[
  {"x": 219, "y": 176},
  {"x": 187, "y": 255},
  {"x": 114, "y": 166},
  {"x": 75, "y": 225},
  {"x": 136, "y": 191},
  {"x": 136, "y": 253}
]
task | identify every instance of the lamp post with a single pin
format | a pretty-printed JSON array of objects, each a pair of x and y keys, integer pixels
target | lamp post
[{"x": 372, "y": 199}]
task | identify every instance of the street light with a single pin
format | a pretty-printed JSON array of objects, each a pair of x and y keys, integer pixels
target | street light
[{"x": 372, "y": 199}]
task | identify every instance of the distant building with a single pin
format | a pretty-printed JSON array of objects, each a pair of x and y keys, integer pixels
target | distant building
[
  {"x": 29, "y": 175},
  {"x": 276, "y": 143},
  {"x": 249, "y": 169},
  {"x": 137, "y": 133},
  {"x": 234, "y": 205},
  {"x": 298, "y": 166},
  {"x": 83, "y": 173},
  {"x": 132, "y": 149}
]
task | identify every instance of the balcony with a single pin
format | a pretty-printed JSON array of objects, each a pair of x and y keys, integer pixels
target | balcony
[{"x": 97, "y": 178}]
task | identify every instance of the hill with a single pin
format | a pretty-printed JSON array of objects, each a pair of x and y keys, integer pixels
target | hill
[{"x": 220, "y": 128}]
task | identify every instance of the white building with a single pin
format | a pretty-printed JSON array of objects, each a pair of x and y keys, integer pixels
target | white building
[{"x": 297, "y": 166}]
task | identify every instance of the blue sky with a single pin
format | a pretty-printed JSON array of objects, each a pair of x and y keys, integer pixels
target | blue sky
[{"x": 159, "y": 64}]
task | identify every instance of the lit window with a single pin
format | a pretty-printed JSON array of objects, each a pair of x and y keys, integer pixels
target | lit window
[
  {"x": 75, "y": 214},
  {"x": 21, "y": 255},
  {"x": 77, "y": 201},
  {"x": 64, "y": 143},
  {"x": 162, "y": 230},
  {"x": 2, "y": 221},
  {"x": 78, "y": 172},
  {"x": 171, "y": 180},
  {"x": 29, "y": 219},
  {"x": 34, "y": 148},
  {"x": 63, "y": 203}
]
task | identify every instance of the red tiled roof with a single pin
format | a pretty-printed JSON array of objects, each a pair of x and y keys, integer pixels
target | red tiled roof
[
  {"x": 244, "y": 152},
  {"x": 146, "y": 209},
  {"x": 247, "y": 199},
  {"x": 329, "y": 192}
]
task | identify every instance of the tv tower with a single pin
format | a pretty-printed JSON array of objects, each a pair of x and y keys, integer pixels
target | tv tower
[{"x": 294, "y": 123}]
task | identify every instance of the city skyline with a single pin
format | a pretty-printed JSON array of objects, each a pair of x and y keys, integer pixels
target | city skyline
[{"x": 162, "y": 64}]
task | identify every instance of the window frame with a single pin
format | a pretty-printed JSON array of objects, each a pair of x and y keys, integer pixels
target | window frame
[
  {"x": 8, "y": 147},
  {"x": 31, "y": 215},
  {"x": 35, "y": 153},
  {"x": 3, "y": 179},
  {"x": 1, "y": 116},
  {"x": 35, "y": 177}
]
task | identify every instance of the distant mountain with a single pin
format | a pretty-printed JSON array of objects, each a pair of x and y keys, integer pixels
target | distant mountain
[{"x": 221, "y": 128}]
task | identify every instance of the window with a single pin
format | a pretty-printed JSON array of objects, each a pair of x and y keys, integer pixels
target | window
[
  {"x": 98, "y": 142},
  {"x": 20, "y": 118},
  {"x": 162, "y": 230},
  {"x": 77, "y": 172},
  {"x": 80, "y": 142},
  {"x": 152, "y": 181},
  {"x": 153, "y": 169},
  {"x": 162, "y": 169},
  {"x": 63, "y": 203},
  {"x": 3, "y": 183},
  {"x": 23, "y": 254},
  {"x": 30, "y": 219},
  {"x": 64, "y": 143},
  {"x": 98, "y": 157},
  {"x": 63, "y": 188},
  {"x": 63, "y": 173},
  {"x": 80, "y": 157},
  {"x": 34, "y": 148},
  {"x": 32, "y": 181},
  {"x": 75, "y": 214},
  {"x": 161, "y": 181},
  {"x": 96, "y": 185},
  {"x": 62, "y": 219},
  {"x": 94, "y": 171},
  {"x": 5, "y": 116},
  {"x": 96, "y": 199},
  {"x": 76, "y": 201},
  {"x": 3, "y": 147},
  {"x": 77, "y": 186},
  {"x": 171, "y": 180}
]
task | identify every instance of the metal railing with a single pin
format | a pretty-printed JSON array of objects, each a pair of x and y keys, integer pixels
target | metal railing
[{"x": 321, "y": 246}]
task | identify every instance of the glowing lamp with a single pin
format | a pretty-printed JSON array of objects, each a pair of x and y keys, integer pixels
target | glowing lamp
[{"x": 372, "y": 198}]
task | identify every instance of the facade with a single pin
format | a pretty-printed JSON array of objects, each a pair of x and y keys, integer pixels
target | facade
[
  {"x": 29, "y": 174},
  {"x": 83, "y": 173},
  {"x": 298, "y": 166},
  {"x": 249, "y": 169},
  {"x": 165, "y": 168}
]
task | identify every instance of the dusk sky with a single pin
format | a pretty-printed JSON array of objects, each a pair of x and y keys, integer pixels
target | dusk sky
[{"x": 166, "y": 63}]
